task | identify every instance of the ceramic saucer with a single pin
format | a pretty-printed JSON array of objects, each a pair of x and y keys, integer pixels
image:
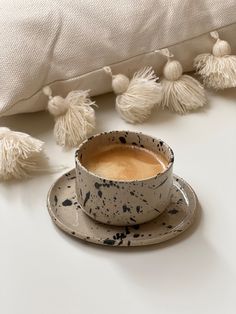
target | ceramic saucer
[{"x": 68, "y": 215}]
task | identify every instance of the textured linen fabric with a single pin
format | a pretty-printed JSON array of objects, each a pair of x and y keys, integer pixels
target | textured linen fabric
[{"x": 65, "y": 43}]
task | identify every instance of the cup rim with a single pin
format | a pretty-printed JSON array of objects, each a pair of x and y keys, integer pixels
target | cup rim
[{"x": 170, "y": 163}]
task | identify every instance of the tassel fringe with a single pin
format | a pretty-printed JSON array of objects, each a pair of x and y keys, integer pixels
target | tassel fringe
[
  {"x": 136, "y": 98},
  {"x": 217, "y": 70},
  {"x": 20, "y": 155},
  {"x": 181, "y": 93}
]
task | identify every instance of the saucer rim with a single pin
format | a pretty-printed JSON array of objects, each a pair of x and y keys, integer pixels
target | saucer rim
[{"x": 186, "y": 222}]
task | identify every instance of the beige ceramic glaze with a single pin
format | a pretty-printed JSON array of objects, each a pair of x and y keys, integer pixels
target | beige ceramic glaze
[
  {"x": 67, "y": 214},
  {"x": 123, "y": 202}
]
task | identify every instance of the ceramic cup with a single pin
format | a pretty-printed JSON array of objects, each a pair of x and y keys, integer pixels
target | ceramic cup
[{"x": 118, "y": 202}]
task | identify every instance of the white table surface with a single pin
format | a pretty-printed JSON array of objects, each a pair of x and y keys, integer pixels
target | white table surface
[{"x": 44, "y": 271}]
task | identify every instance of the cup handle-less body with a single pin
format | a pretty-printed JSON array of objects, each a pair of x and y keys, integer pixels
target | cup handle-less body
[{"x": 123, "y": 202}]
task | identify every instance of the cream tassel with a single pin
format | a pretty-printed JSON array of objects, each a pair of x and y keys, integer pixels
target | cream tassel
[
  {"x": 181, "y": 93},
  {"x": 74, "y": 116},
  {"x": 136, "y": 97},
  {"x": 20, "y": 154},
  {"x": 218, "y": 70}
]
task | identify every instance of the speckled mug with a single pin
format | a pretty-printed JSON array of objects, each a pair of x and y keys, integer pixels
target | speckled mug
[{"x": 117, "y": 202}]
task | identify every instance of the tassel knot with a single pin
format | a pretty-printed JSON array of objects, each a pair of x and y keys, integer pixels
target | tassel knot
[
  {"x": 57, "y": 106},
  {"x": 221, "y": 48},
  {"x": 120, "y": 82},
  {"x": 173, "y": 70},
  {"x": 74, "y": 116}
]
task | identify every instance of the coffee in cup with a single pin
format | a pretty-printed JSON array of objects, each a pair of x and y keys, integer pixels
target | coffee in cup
[
  {"x": 125, "y": 162},
  {"x": 123, "y": 177}
]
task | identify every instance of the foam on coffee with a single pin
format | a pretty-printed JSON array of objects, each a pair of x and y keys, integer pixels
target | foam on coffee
[{"x": 125, "y": 162}]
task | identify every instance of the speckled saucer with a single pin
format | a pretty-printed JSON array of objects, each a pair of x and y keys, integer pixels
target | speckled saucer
[{"x": 68, "y": 215}]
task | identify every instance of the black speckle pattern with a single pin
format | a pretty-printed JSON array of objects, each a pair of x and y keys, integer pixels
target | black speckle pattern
[
  {"x": 180, "y": 200},
  {"x": 173, "y": 211},
  {"x": 127, "y": 230},
  {"x": 67, "y": 202},
  {"x": 87, "y": 196},
  {"x": 97, "y": 185},
  {"x": 139, "y": 139},
  {"x": 109, "y": 242},
  {"x": 126, "y": 209},
  {"x": 122, "y": 139},
  {"x": 55, "y": 200}
]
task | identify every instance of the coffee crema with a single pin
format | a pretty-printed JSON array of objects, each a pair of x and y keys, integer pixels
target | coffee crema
[{"x": 125, "y": 162}]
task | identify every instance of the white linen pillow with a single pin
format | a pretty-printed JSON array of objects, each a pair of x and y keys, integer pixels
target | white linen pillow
[{"x": 66, "y": 43}]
